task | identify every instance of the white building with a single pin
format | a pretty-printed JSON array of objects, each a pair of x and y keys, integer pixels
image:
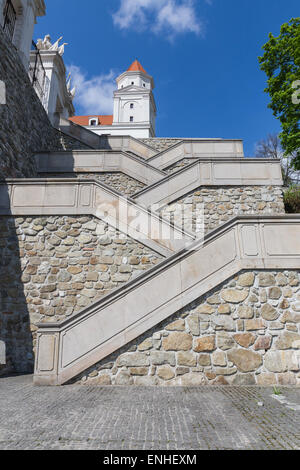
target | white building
[
  {"x": 17, "y": 18},
  {"x": 134, "y": 107},
  {"x": 50, "y": 83}
]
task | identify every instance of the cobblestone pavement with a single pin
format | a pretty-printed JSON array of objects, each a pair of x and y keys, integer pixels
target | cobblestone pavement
[{"x": 80, "y": 417}]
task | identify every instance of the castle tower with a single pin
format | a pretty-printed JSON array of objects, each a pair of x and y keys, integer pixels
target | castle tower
[
  {"x": 134, "y": 102},
  {"x": 134, "y": 110}
]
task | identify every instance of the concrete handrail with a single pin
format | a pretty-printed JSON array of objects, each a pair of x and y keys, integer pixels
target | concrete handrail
[
  {"x": 198, "y": 148},
  {"x": 78, "y": 132},
  {"x": 93, "y": 140},
  {"x": 211, "y": 172},
  {"x": 66, "y": 196},
  {"x": 65, "y": 350},
  {"x": 127, "y": 143},
  {"x": 98, "y": 161}
]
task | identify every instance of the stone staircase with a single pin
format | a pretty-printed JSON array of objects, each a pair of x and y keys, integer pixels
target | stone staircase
[
  {"x": 136, "y": 333},
  {"x": 65, "y": 350}
]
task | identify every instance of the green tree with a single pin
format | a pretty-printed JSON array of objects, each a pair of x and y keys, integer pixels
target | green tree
[{"x": 281, "y": 63}]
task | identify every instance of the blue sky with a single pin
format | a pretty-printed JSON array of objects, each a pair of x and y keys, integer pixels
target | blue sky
[{"x": 202, "y": 55}]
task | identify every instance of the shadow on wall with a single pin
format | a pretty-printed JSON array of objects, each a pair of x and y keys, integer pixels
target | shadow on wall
[
  {"x": 20, "y": 253},
  {"x": 16, "y": 345},
  {"x": 104, "y": 143}
]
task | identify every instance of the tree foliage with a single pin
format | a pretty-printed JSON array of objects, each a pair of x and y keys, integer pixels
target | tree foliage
[{"x": 281, "y": 63}]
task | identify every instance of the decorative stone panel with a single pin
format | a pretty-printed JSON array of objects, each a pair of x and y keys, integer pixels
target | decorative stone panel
[{"x": 222, "y": 338}]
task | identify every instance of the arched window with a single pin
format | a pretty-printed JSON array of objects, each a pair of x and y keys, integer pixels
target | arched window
[
  {"x": 94, "y": 122},
  {"x": 131, "y": 105},
  {"x": 131, "y": 118}
]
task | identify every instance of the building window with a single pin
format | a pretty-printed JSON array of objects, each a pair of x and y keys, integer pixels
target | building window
[
  {"x": 131, "y": 106},
  {"x": 131, "y": 118},
  {"x": 94, "y": 122},
  {"x": 132, "y": 83},
  {"x": 144, "y": 85},
  {"x": 10, "y": 18}
]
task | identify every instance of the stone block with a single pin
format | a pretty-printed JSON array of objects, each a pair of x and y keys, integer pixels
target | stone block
[
  {"x": 186, "y": 359},
  {"x": 219, "y": 358},
  {"x": 193, "y": 379},
  {"x": 245, "y": 312},
  {"x": 224, "y": 341},
  {"x": 246, "y": 279},
  {"x": 266, "y": 379},
  {"x": 245, "y": 361},
  {"x": 165, "y": 373},
  {"x": 133, "y": 360},
  {"x": 123, "y": 378},
  {"x": 178, "y": 325},
  {"x": 161, "y": 357},
  {"x": 193, "y": 324},
  {"x": 205, "y": 343},
  {"x": 263, "y": 343},
  {"x": 245, "y": 339},
  {"x": 282, "y": 361},
  {"x": 244, "y": 379},
  {"x": 177, "y": 342},
  {"x": 288, "y": 340},
  {"x": 234, "y": 296},
  {"x": 268, "y": 312}
]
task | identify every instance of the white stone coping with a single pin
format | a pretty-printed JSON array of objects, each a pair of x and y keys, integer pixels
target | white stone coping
[
  {"x": 98, "y": 161},
  {"x": 79, "y": 133},
  {"x": 198, "y": 148},
  {"x": 211, "y": 172},
  {"x": 90, "y": 138},
  {"x": 66, "y": 196},
  {"x": 64, "y": 350},
  {"x": 128, "y": 143}
]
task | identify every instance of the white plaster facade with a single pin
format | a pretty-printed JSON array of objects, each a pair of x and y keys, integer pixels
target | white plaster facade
[
  {"x": 27, "y": 12},
  {"x": 134, "y": 109},
  {"x": 57, "y": 99}
]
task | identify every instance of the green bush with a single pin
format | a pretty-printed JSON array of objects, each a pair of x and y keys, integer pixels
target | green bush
[{"x": 292, "y": 200}]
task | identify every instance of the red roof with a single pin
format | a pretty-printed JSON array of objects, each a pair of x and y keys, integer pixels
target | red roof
[
  {"x": 84, "y": 120},
  {"x": 136, "y": 67}
]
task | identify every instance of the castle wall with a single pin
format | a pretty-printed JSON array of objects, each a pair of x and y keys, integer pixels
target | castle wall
[
  {"x": 244, "y": 332},
  {"x": 219, "y": 204},
  {"x": 24, "y": 124},
  {"x": 53, "y": 267}
]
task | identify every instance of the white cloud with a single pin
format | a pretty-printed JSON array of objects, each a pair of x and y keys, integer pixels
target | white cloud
[
  {"x": 171, "y": 17},
  {"x": 95, "y": 95}
]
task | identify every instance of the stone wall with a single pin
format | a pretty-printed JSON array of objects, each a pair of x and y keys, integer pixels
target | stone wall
[
  {"x": 219, "y": 204},
  {"x": 53, "y": 267},
  {"x": 122, "y": 183},
  {"x": 244, "y": 332},
  {"x": 179, "y": 165},
  {"x": 160, "y": 144},
  {"x": 24, "y": 124}
]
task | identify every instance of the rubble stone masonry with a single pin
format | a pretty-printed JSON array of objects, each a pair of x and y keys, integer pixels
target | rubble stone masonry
[
  {"x": 244, "y": 332},
  {"x": 53, "y": 267},
  {"x": 219, "y": 204}
]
